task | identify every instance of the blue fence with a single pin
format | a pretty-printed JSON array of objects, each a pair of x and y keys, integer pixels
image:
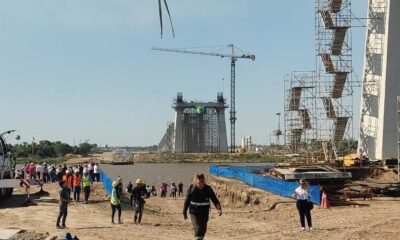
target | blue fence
[
  {"x": 107, "y": 182},
  {"x": 276, "y": 186}
]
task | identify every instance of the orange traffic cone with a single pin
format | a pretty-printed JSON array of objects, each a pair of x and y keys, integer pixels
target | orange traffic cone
[{"x": 324, "y": 202}]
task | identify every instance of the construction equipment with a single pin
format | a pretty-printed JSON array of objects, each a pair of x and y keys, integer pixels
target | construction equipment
[
  {"x": 233, "y": 58},
  {"x": 5, "y": 167}
]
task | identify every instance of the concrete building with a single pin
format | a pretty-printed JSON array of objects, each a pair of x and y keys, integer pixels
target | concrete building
[{"x": 381, "y": 81}]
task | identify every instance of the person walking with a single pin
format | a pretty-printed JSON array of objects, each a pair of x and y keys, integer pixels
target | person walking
[
  {"x": 180, "y": 189},
  {"x": 173, "y": 190},
  {"x": 139, "y": 193},
  {"x": 65, "y": 195},
  {"x": 198, "y": 203},
  {"x": 164, "y": 189},
  {"x": 303, "y": 204},
  {"x": 86, "y": 184},
  {"x": 77, "y": 185},
  {"x": 115, "y": 202},
  {"x": 153, "y": 191}
]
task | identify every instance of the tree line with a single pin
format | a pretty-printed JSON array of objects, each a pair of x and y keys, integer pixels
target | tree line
[{"x": 48, "y": 149}]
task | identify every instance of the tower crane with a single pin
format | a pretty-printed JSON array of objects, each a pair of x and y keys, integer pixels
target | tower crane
[{"x": 233, "y": 57}]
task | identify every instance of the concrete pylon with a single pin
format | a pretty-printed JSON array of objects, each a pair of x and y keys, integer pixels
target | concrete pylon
[
  {"x": 199, "y": 126},
  {"x": 381, "y": 81}
]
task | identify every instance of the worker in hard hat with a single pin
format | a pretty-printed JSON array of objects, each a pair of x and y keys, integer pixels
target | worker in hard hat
[
  {"x": 86, "y": 184},
  {"x": 76, "y": 180},
  {"x": 115, "y": 202},
  {"x": 139, "y": 192},
  {"x": 68, "y": 179}
]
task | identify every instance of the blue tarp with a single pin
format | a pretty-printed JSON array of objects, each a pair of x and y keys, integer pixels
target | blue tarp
[
  {"x": 107, "y": 182},
  {"x": 276, "y": 186}
]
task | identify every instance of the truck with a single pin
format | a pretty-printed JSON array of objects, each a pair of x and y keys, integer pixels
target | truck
[{"x": 6, "y": 167}]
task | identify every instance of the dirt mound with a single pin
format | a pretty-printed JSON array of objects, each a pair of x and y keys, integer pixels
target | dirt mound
[
  {"x": 382, "y": 175},
  {"x": 234, "y": 193},
  {"x": 30, "y": 235}
]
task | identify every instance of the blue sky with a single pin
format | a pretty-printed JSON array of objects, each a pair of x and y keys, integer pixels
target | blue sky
[{"x": 84, "y": 70}]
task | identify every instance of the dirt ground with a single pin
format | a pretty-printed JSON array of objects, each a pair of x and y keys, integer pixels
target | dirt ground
[{"x": 163, "y": 219}]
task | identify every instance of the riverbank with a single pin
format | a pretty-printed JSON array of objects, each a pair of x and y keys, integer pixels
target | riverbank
[{"x": 271, "y": 217}]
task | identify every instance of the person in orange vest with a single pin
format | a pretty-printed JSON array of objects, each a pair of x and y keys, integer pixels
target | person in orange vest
[
  {"x": 77, "y": 185},
  {"x": 68, "y": 179}
]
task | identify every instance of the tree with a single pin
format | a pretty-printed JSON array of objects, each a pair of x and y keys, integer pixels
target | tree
[
  {"x": 85, "y": 148},
  {"x": 62, "y": 149}
]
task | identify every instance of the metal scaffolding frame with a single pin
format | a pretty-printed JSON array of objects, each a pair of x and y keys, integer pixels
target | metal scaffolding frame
[
  {"x": 300, "y": 121},
  {"x": 167, "y": 141},
  {"x": 200, "y": 130},
  {"x": 334, "y": 74}
]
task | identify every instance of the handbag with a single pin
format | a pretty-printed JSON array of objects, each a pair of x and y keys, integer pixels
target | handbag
[{"x": 310, "y": 204}]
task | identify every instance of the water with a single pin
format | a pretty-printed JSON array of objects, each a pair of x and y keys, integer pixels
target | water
[{"x": 155, "y": 173}]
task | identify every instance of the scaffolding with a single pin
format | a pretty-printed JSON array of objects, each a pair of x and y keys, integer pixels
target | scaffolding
[
  {"x": 200, "y": 130},
  {"x": 334, "y": 74},
  {"x": 375, "y": 45},
  {"x": 199, "y": 126},
  {"x": 166, "y": 143},
  {"x": 300, "y": 121}
]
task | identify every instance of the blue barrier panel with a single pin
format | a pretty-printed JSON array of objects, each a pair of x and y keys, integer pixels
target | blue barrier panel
[
  {"x": 276, "y": 186},
  {"x": 107, "y": 182}
]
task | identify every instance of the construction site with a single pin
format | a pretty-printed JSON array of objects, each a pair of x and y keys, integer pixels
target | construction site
[
  {"x": 337, "y": 140},
  {"x": 322, "y": 142}
]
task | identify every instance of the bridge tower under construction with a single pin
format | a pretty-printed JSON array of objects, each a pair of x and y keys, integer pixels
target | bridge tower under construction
[
  {"x": 381, "y": 81},
  {"x": 199, "y": 127}
]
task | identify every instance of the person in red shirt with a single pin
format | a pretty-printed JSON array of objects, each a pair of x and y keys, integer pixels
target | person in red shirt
[{"x": 32, "y": 171}]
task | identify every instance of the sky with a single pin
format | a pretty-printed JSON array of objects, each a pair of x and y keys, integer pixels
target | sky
[{"x": 80, "y": 71}]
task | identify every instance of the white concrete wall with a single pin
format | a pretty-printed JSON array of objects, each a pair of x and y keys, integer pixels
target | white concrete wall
[{"x": 378, "y": 127}]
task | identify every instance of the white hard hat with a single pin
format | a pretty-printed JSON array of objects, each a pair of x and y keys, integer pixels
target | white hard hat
[
  {"x": 85, "y": 170},
  {"x": 76, "y": 170},
  {"x": 68, "y": 171}
]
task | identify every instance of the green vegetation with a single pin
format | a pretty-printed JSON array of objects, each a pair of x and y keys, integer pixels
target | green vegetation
[{"x": 51, "y": 152}]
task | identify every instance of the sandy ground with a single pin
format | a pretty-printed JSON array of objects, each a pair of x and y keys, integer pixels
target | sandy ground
[{"x": 163, "y": 219}]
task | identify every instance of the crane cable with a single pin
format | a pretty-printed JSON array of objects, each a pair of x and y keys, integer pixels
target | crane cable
[{"x": 169, "y": 15}]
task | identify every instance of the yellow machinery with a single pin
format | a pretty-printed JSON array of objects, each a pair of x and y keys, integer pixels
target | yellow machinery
[{"x": 349, "y": 160}]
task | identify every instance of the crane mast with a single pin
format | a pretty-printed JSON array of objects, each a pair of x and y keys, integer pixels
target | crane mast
[{"x": 233, "y": 57}]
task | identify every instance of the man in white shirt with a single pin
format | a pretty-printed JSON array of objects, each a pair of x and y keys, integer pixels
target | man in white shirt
[
  {"x": 96, "y": 171},
  {"x": 39, "y": 171}
]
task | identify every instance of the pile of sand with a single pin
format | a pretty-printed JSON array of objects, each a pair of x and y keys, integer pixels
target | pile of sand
[{"x": 387, "y": 176}]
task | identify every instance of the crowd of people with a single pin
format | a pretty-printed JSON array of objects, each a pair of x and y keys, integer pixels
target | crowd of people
[
  {"x": 54, "y": 173},
  {"x": 75, "y": 179}
]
